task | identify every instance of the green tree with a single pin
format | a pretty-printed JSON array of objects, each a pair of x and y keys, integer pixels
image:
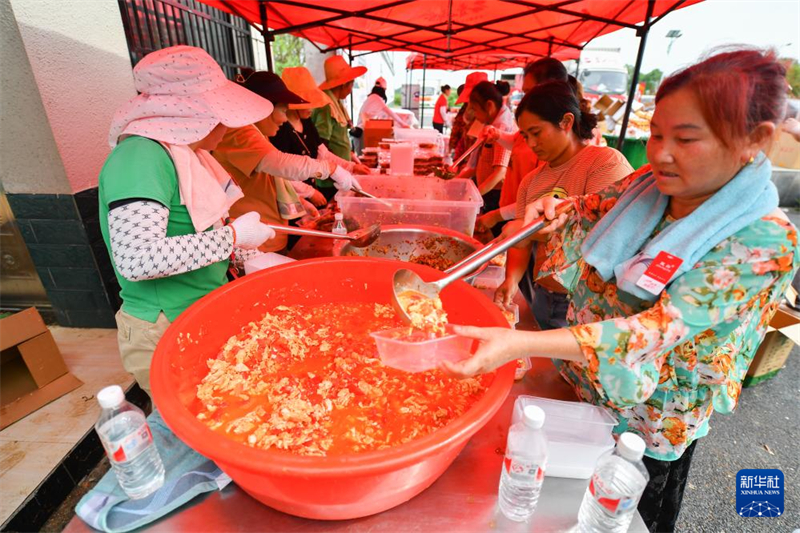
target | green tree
[
  {"x": 287, "y": 51},
  {"x": 451, "y": 100},
  {"x": 651, "y": 79},
  {"x": 793, "y": 77}
]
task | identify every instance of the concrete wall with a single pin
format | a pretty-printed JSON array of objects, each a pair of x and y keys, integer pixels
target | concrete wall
[
  {"x": 29, "y": 160},
  {"x": 79, "y": 59},
  {"x": 64, "y": 69}
]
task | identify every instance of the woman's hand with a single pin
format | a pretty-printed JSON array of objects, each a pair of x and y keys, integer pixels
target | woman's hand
[
  {"x": 343, "y": 180},
  {"x": 249, "y": 232},
  {"x": 506, "y": 291},
  {"x": 487, "y": 221},
  {"x": 318, "y": 199},
  {"x": 546, "y": 206},
  {"x": 489, "y": 134},
  {"x": 309, "y": 207},
  {"x": 360, "y": 169},
  {"x": 511, "y": 227},
  {"x": 792, "y": 127},
  {"x": 497, "y": 347}
]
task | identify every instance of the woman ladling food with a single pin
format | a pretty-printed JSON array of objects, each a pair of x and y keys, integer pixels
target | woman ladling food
[{"x": 673, "y": 273}]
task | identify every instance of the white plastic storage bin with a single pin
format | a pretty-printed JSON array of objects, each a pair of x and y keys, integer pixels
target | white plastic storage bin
[
  {"x": 264, "y": 261},
  {"x": 450, "y": 204},
  {"x": 578, "y": 434}
]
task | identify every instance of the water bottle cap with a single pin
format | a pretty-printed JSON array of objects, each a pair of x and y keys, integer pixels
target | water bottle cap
[
  {"x": 631, "y": 446},
  {"x": 338, "y": 216},
  {"x": 533, "y": 416},
  {"x": 111, "y": 397}
]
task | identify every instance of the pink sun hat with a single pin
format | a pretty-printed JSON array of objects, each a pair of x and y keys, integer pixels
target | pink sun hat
[{"x": 183, "y": 96}]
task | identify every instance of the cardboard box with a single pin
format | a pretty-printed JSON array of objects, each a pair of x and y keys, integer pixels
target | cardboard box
[
  {"x": 785, "y": 151},
  {"x": 608, "y": 107},
  {"x": 32, "y": 371},
  {"x": 782, "y": 335},
  {"x": 376, "y": 130}
]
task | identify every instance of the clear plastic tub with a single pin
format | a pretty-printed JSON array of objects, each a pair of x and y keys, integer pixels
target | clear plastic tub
[
  {"x": 578, "y": 434},
  {"x": 491, "y": 278},
  {"x": 523, "y": 365},
  {"x": 417, "y": 352},
  {"x": 450, "y": 204},
  {"x": 512, "y": 309}
]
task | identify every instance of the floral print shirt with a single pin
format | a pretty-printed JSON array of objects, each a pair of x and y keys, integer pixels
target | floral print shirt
[{"x": 663, "y": 368}]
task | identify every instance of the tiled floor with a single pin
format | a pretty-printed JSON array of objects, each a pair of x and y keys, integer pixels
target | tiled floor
[{"x": 31, "y": 448}]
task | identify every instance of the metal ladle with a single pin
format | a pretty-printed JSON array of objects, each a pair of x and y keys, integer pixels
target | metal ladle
[
  {"x": 360, "y": 238},
  {"x": 405, "y": 280},
  {"x": 365, "y": 194}
]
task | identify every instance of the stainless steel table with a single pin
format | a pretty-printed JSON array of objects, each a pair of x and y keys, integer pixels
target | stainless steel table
[{"x": 463, "y": 499}]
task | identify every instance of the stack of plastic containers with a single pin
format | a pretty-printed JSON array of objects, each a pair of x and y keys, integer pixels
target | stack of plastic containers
[
  {"x": 450, "y": 204},
  {"x": 578, "y": 433}
]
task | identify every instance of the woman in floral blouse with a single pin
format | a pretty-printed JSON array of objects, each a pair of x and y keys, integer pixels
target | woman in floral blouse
[{"x": 664, "y": 356}]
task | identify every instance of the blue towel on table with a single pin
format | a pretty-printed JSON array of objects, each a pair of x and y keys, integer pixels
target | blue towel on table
[
  {"x": 188, "y": 474},
  {"x": 618, "y": 244}
]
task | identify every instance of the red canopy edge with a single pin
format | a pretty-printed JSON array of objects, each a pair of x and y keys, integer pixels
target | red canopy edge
[{"x": 452, "y": 33}]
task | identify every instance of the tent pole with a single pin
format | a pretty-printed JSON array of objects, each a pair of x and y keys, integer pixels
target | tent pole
[
  {"x": 407, "y": 91},
  {"x": 266, "y": 34},
  {"x": 643, "y": 31},
  {"x": 550, "y": 47},
  {"x": 422, "y": 93},
  {"x": 350, "y": 58},
  {"x": 578, "y": 66}
]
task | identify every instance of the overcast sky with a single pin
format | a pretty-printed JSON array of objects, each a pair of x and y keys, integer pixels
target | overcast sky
[{"x": 709, "y": 24}]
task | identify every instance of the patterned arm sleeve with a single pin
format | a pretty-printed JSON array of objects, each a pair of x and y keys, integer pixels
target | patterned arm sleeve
[
  {"x": 716, "y": 298},
  {"x": 141, "y": 249},
  {"x": 242, "y": 255}
]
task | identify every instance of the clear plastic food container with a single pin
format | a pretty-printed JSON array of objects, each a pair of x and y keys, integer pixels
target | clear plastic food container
[
  {"x": 523, "y": 365},
  {"x": 578, "y": 434},
  {"x": 450, "y": 204},
  {"x": 513, "y": 310},
  {"x": 416, "y": 351},
  {"x": 490, "y": 278}
]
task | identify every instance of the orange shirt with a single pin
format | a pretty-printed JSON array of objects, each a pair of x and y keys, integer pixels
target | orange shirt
[
  {"x": 240, "y": 152},
  {"x": 523, "y": 161}
]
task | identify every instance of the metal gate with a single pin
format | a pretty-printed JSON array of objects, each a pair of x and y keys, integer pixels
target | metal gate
[{"x": 155, "y": 24}]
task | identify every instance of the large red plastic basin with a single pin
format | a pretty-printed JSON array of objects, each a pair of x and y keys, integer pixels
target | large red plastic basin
[{"x": 329, "y": 488}]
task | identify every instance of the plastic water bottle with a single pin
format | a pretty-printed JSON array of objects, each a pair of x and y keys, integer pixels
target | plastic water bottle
[
  {"x": 523, "y": 467},
  {"x": 338, "y": 226},
  {"x": 129, "y": 444},
  {"x": 615, "y": 489}
]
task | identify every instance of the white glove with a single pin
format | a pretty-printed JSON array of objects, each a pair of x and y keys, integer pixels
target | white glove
[
  {"x": 250, "y": 232},
  {"x": 344, "y": 180}
]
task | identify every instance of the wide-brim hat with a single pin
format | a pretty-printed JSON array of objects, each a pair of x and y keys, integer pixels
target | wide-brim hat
[
  {"x": 270, "y": 86},
  {"x": 338, "y": 72},
  {"x": 300, "y": 81},
  {"x": 183, "y": 96},
  {"x": 473, "y": 79}
]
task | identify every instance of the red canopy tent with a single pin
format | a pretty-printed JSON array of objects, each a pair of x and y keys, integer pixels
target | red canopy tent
[
  {"x": 451, "y": 28},
  {"x": 455, "y": 32}
]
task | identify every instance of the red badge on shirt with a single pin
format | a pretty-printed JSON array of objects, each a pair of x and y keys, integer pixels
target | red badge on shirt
[{"x": 659, "y": 272}]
